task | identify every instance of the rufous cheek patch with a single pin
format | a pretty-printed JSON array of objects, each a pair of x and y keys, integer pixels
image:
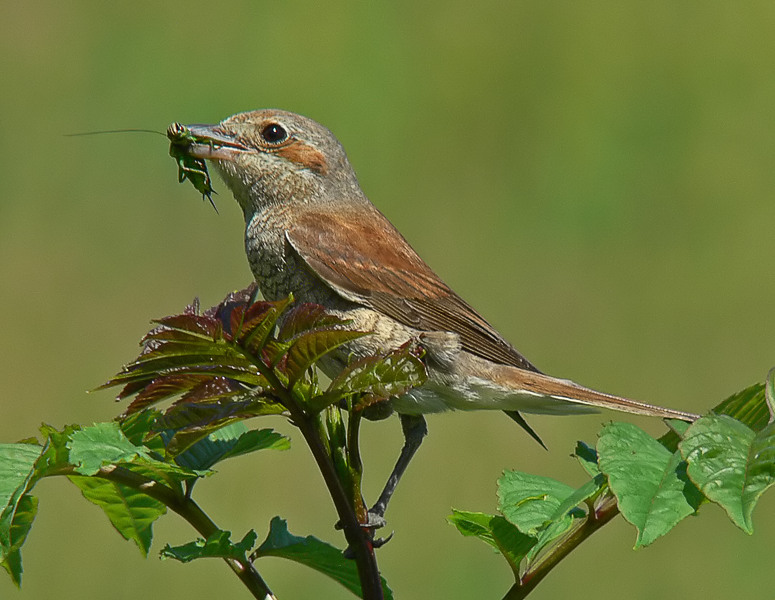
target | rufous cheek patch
[{"x": 304, "y": 155}]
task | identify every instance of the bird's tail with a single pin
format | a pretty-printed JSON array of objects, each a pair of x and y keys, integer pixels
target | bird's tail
[{"x": 546, "y": 394}]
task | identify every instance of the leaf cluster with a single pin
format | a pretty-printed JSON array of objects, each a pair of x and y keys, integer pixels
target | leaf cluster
[
  {"x": 726, "y": 458},
  {"x": 199, "y": 378}
]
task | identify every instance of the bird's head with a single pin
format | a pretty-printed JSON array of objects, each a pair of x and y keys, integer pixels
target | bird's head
[{"x": 271, "y": 157}]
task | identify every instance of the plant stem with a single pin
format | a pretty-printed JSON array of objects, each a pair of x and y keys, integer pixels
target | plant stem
[
  {"x": 358, "y": 539},
  {"x": 597, "y": 517},
  {"x": 191, "y": 512}
]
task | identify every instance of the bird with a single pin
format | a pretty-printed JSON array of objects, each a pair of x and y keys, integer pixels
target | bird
[{"x": 311, "y": 231}]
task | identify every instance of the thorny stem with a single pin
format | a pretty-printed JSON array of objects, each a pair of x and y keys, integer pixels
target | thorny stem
[
  {"x": 597, "y": 517},
  {"x": 196, "y": 517}
]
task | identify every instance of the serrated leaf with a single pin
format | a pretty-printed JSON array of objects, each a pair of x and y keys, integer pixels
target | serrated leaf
[
  {"x": 648, "y": 480},
  {"x": 377, "y": 378},
  {"x": 567, "y": 515},
  {"x": 256, "y": 332},
  {"x": 306, "y": 317},
  {"x": 217, "y": 545},
  {"x": 201, "y": 362},
  {"x": 165, "y": 387},
  {"x": 731, "y": 464},
  {"x": 310, "y": 347},
  {"x": 228, "y": 442},
  {"x": 17, "y": 476},
  {"x": 495, "y": 531},
  {"x": 185, "y": 424},
  {"x": 315, "y": 554},
  {"x": 206, "y": 327},
  {"x": 102, "y": 444},
  {"x": 56, "y": 454},
  {"x": 131, "y": 512},
  {"x": 139, "y": 426},
  {"x": 11, "y": 556},
  {"x": 530, "y": 501},
  {"x": 105, "y": 444}
]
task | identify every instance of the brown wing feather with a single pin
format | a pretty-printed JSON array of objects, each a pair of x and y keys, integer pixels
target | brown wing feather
[{"x": 362, "y": 256}]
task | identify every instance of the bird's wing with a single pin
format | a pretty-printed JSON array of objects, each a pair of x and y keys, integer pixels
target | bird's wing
[{"x": 365, "y": 259}]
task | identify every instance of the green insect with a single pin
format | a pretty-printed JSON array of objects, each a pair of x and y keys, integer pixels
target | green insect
[{"x": 189, "y": 167}]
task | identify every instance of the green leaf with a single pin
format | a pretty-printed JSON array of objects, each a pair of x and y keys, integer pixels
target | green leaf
[
  {"x": 139, "y": 426},
  {"x": 495, "y": 531},
  {"x": 315, "y": 554},
  {"x": 17, "y": 476},
  {"x": 530, "y": 501},
  {"x": 228, "y": 442},
  {"x": 376, "y": 378},
  {"x": 747, "y": 406},
  {"x": 731, "y": 464},
  {"x": 217, "y": 545},
  {"x": 677, "y": 429},
  {"x": 131, "y": 512},
  {"x": 105, "y": 444},
  {"x": 189, "y": 422},
  {"x": 587, "y": 456},
  {"x": 311, "y": 346},
  {"x": 649, "y": 481},
  {"x": 567, "y": 514},
  {"x": 102, "y": 444},
  {"x": 21, "y": 523}
]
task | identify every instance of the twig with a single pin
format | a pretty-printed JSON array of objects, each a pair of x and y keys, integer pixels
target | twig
[
  {"x": 597, "y": 517},
  {"x": 194, "y": 515}
]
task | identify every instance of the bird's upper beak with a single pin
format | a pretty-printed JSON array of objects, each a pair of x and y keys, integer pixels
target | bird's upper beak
[{"x": 212, "y": 142}]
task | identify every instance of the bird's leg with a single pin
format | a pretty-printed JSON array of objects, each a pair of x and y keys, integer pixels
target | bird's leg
[{"x": 415, "y": 430}]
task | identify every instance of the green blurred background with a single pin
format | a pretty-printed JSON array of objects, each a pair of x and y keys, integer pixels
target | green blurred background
[{"x": 596, "y": 178}]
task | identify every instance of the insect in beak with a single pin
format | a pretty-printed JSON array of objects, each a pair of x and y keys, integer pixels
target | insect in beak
[{"x": 191, "y": 145}]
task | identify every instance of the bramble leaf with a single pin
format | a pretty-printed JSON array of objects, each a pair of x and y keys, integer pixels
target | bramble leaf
[
  {"x": 377, "y": 378},
  {"x": 649, "y": 481},
  {"x": 311, "y": 346},
  {"x": 20, "y": 525},
  {"x": 530, "y": 501},
  {"x": 730, "y": 463},
  {"x": 496, "y": 531},
  {"x": 17, "y": 508},
  {"x": 130, "y": 511},
  {"x": 230, "y": 441}
]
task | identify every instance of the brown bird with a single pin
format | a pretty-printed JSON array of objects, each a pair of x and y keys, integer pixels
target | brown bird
[{"x": 311, "y": 231}]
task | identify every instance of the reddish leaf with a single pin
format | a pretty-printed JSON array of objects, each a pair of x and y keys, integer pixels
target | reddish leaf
[
  {"x": 306, "y": 317},
  {"x": 164, "y": 387},
  {"x": 207, "y": 327},
  {"x": 310, "y": 347},
  {"x": 212, "y": 388},
  {"x": 257, "y": 331}
]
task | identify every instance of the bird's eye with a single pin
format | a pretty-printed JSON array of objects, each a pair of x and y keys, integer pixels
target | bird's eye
[{"x": 274, "y": 133}]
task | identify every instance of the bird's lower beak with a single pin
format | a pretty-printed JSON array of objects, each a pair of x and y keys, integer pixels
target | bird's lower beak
[{"x": 206, "y": 141}]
